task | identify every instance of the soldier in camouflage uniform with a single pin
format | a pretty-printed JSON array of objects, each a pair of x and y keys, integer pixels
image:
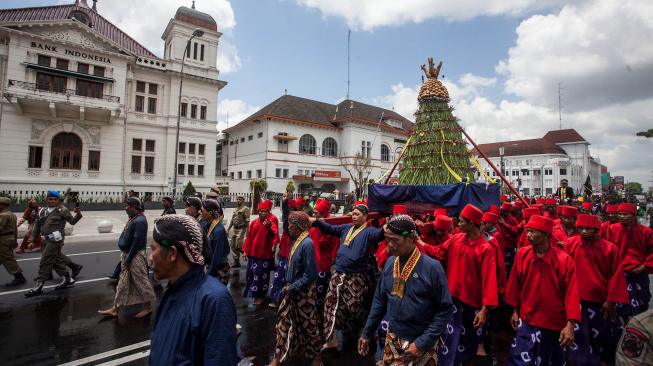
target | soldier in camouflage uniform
[
  {"x": 239, "y": 222},
  {"x": 8, "y": 243},
  {"x": 636, "y": 345},
  {"x": 51, "y": 223}
]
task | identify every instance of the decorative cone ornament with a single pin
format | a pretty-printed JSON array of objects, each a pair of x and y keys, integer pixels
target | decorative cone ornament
[{"x": 436, "y": 153}]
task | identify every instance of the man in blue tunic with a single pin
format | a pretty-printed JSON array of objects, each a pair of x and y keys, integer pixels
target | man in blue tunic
[
  {"x": 196, "y": 319},
  {"x": 212, "y": 215},
  {"x": 413, "y": 295},
  {"x": 351, "y": 286},
  {"x": 298, "y": 332}
]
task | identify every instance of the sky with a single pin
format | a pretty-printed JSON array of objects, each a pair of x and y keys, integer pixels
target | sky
[{"x": 504, "y": 61}]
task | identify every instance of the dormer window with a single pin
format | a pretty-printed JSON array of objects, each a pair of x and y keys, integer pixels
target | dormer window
[{"x": 81, "y": 17}]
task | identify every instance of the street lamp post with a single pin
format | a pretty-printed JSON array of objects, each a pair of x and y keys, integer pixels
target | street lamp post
[
  {"x": 197, "y": 33},
  {"x": 501, "y": 152}
]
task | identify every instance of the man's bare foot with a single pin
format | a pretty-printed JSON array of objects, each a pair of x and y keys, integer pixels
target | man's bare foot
[
  {"x": 274, "y": 362},
  {"x": 143, "y": 313},
  {"x": 112, "y": 312},
  {"x": 480, "y": 352}
]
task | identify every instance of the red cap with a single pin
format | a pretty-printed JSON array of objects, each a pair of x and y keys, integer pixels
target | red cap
[
  {"x": 550, "y": 202},
  {"x": 559, "y": 210},
  {"x": 440, "y": 211},
  {"x": 585, "y": 220},
  {"x": 540, "y": 223},
  {"x": 265, "y": 205},
  {"x": 540, "y": 201},
  {"x": 291, "y": 203},
  {"x": 399, "y": 210},
  {"x": 494, "y": 209},
  {"x": 587, "y": 205},
  {"x": 442, "y": 222},
  {"x": 627, "y": 207},
  {"x": 323, "y": 206},
  {"x": 503, "y": 198},
  {"x": 530, "y": 211},
  {"x": 518, "y": 205},
  {"x": 490, "y": 217},
  {"x": 300, "y": 201},
  {"x": 569, "y": 211},
  {"x": 472, "y": 213},
  {"x": 612, "y": 208},
  {"x": 506, "y": 206}
]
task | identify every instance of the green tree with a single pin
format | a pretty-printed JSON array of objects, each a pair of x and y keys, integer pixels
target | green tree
[
  {"x": 290, "y": 187},
  {"x": 633, "y": 188},
  {"x": 436, "y": 153},
  {"x": 189, "y": 190},
  {"x": 257, "y": 187}
]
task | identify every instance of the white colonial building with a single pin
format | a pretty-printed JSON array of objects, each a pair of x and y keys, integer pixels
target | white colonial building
[
  {"x": 311, "y": 143},
  {"x": 537, "y": 166},
  {"x": 86, "y": 107}
]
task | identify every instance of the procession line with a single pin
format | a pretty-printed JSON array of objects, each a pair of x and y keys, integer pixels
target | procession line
[
  {"x": 100, "y": 356},
  {"x": 71, "y": 255},
  {"x": 127, "y": 359},
  {"x": 51, "y": 286}
]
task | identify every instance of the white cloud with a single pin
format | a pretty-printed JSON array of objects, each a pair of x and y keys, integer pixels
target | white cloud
[
  {"x": 233, "y": 111},
  {"x": 602, "y": 52},
  {"x": 610, "y": 129},
  {"x": 228, "y": 59},
  {"x": 370, "y": 14},
  {"x": 130, "y": 17}
]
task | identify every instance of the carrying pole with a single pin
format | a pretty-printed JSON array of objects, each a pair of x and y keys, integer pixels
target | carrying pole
[
  {"x": 394, "y": 166},
  {"x": 503, "y": 178}
]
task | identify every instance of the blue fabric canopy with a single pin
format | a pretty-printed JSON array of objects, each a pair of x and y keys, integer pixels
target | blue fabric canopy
[{"x": 422, "y": 198}]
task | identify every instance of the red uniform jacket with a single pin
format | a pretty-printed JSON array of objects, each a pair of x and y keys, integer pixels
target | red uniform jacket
[
  {"x": 600, "y": 277},
  {"x": 326, "y": 246},
  {"x": 260, "y": 240},
  {"x": 560, "y": 235},
  {"x": 544, "y": 288},
  {"x": 471, "y": 269},
  {"x": 635, "y": 245},
  {"x": 502, "y": 277}
]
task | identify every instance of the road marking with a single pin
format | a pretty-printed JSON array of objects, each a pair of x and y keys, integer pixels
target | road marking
[
  {"x": 100, "y": 356},
  {"x": 71, "y": 255},
  {"x": 127, "y": 359},
  {"x": 51, "y": 286}
]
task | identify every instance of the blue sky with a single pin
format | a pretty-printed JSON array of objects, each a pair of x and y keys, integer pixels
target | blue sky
[{"x": 503, "y": 60}]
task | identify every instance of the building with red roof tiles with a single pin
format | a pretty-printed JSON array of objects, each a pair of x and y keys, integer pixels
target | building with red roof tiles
[{"x": 87, "y": 107}]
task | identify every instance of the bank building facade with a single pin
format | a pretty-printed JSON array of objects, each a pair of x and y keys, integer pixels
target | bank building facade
[{"x": 86, "y": 108}]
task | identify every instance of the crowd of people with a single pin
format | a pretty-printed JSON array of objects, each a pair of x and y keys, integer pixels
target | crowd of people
[{"x": 428, "y": 288}]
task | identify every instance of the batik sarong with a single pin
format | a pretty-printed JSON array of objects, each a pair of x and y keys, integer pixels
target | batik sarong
[
  {"x": 134, "y": 286},
  {"x": 639, "y": 293},
  {"x": 297, "y": 329},
  {"x": 536, "y": 346},
  {"x": 279, "y": 280},
  {"x": 258, "y": 277},
  {"x": 344, "y": 307},
  {"x": 395, "y": 348},
  {"x": 595, "y": 338},
  {"x": 461, "y": 339}
]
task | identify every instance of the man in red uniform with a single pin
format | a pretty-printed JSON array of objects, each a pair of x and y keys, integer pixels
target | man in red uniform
[
  {"x": 522, "y": 232},
  {"x": 611, "y": 217},
  {"x": 441, "y": 232},
  {"x": 263, "y": 234},
  {"x": 550, "y": 211},
  {"x": 326, "y": 247},
  {"x": 517, "y": 208},
  {"x": 494, "y": 237},
  {"x": 601, "y": 285},
  {"x": 566, "y": 227},
  {"x": 586, "y": 208},
  {"x": 543, "y": 292},
  {"x": 472, "y": 279},
  {"x": 635, "y": 244}
]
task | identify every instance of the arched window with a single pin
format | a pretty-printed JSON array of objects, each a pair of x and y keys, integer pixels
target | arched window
[
  {"x": 329, "y": 147},
  {"x": 385, "y": 153},
  {"x": 66, "y": 151},
  {"x": 307, "y": 144}
]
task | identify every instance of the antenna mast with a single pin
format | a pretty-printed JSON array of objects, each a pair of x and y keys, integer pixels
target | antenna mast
[
  {"x": 560, "y": 105},
  {"x": 348, "y": 59}
]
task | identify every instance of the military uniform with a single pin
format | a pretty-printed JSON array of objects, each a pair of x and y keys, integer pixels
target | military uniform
[
  {"x": 239, "y": 222},
  {"x": 636, "y": 344},
  {"x": 8, "y": 241},
  {"x": 48, "y": 224}
]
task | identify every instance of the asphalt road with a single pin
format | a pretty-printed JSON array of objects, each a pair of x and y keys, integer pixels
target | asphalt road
[{"x": 63, "y": 326}]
